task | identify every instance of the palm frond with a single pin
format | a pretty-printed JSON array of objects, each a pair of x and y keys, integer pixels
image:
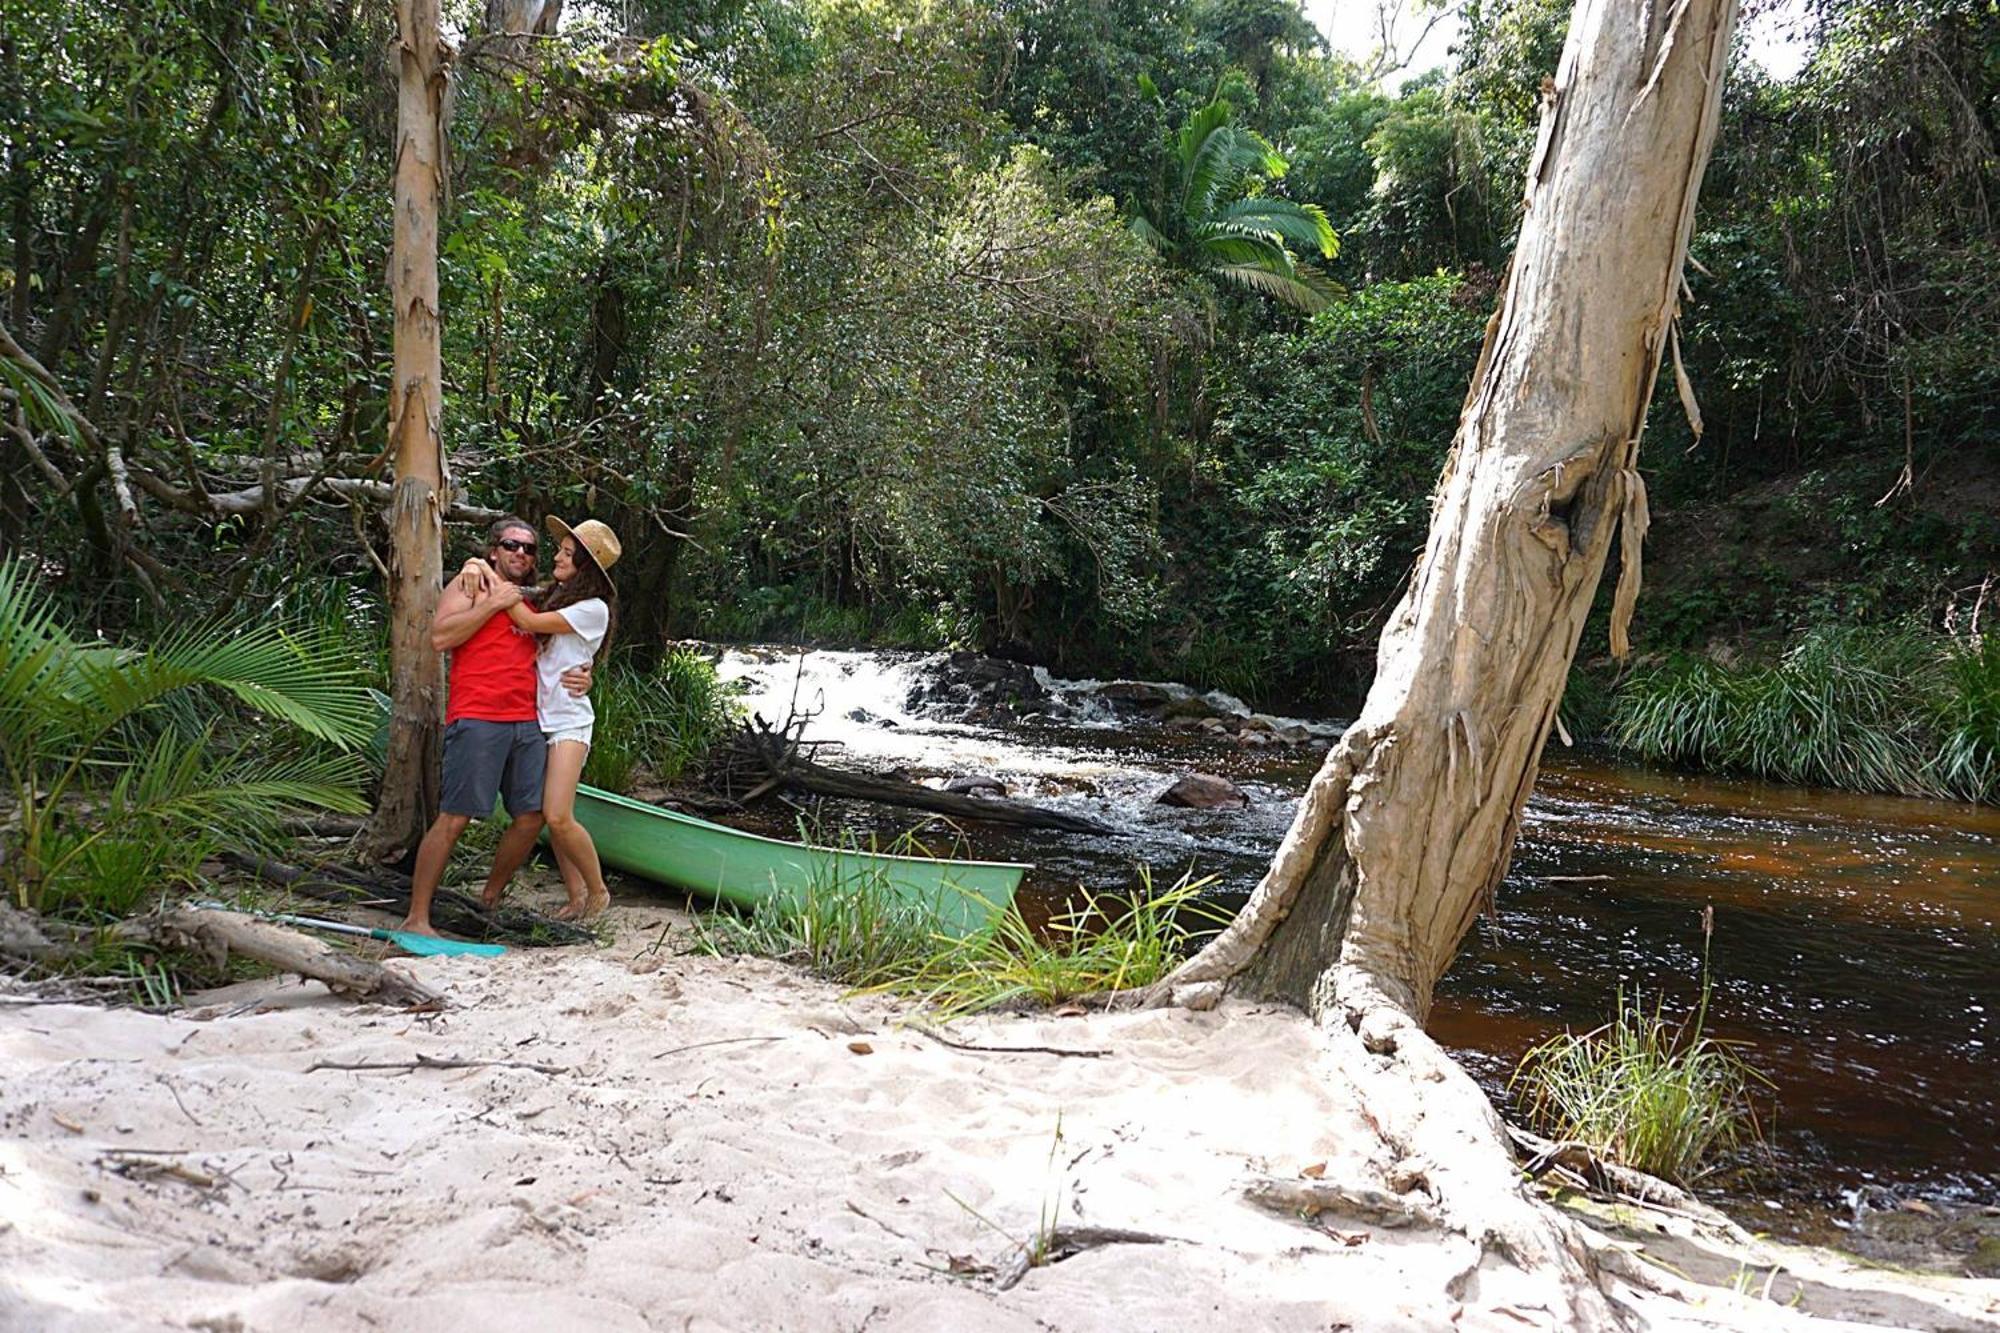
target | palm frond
[
  {"x": 1303, "y": 225},
  {"x": 1143, "y": 228},
  {"x": 1220, "y": 245},
  {"x": 1294, "y": 292},
  {"x": 320, "y": 691}
]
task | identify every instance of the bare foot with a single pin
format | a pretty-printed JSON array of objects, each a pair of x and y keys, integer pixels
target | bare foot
[
  {"x": 489, "y": 897},
  {"x": 568, "y": 912},
  {"x": 412, "y": 926},
  {"x": 595, "y": 905}
]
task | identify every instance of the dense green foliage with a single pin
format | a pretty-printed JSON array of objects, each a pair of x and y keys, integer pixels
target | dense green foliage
[
  {"x": 126, "y": 767},
  {"x": 846, "y": 317},
  {"x": 662, "y": 719}
]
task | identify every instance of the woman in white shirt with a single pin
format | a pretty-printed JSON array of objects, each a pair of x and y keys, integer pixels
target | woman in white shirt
[{"x": 574, "y": 617}]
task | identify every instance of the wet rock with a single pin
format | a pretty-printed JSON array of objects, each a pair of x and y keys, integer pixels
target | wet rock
[
  {"x": 969, "y": 681},
  {"x": 975, "y": 785},
  {"x": 1226, "y": 704},
  {"x": 1138, "y": 694},
  {"x": 1204, "y": 791},
  {"x": 861, "y": 715},
  {"x": 1936, "y": 1233},
  {"x": 1194, "y": 706}
]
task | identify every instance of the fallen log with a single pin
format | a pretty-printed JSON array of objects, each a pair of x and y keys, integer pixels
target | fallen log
[
  {"x": 778, "y": 752},
  {"x": 891, "y": 791},
  {"x": 219, "y": 934}
]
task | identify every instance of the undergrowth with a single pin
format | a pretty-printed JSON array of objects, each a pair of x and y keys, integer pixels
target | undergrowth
[
  {"x": 863, "y": 933},
  {"x": 661, "y": 720},
  {"x": 1898, "y": 710}
]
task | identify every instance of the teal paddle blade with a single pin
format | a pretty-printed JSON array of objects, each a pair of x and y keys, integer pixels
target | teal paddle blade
[{"x": 432, "y": 947}]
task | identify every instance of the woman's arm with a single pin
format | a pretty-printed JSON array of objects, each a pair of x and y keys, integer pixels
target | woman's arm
[
  {"x": 537, "y": 622},
  {"x": 466, "y": 602}
]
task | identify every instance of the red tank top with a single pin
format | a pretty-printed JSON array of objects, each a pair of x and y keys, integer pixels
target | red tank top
[{"x": 493, "y": 674}]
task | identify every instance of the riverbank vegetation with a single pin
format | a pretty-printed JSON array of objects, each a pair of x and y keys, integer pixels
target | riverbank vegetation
[
  {"x": 860, "y": 932},
  {"x": 1644, "y": 1091},
  {"x": 1895, "y": 709}
]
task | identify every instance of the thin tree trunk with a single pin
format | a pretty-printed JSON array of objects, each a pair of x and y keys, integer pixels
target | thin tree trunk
[
  {"x": 409, "y": 795},
  {"x": 1405, "y": 833}
]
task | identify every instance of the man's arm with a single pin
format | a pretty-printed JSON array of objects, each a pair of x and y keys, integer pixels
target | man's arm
[{"x": 460, "y": 615}]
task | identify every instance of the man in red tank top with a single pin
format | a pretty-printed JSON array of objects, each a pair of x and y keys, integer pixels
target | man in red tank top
[{"x": 493, "y": 747}]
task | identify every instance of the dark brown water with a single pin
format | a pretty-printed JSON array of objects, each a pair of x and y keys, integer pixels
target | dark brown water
[{"x": 1856, "y": 953}]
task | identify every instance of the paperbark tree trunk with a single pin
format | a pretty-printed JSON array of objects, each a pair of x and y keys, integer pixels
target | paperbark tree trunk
[
  {"x": 409, "y": 796},
  {"x": 1405, "y": 833}
]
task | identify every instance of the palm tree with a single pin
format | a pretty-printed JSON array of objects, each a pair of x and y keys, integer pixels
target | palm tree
[
  {"x": 110, "y": 757},
  {"x": 1215, "y": 223}
]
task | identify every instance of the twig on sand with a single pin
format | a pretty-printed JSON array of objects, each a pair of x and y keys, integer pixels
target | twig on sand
[
  {"x": 168, "y": 1084},
  {"x": 1080, "y": 1052},
  {"x": 433, "y": 1062},
  {"x": 1068, "y": 1242},
  {"x": 859, "y": 1211},
  {"x": 719, "y": 1041},
  {"x": 134, "y": 1167}
]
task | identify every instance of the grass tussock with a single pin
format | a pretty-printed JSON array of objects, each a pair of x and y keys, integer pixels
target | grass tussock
[
  {"x": 1643, "y": 1091},
  {"x": 660, "y": 721},
  {"x": 1898, "y": 710},
  {"x": 859, "y": 933}
]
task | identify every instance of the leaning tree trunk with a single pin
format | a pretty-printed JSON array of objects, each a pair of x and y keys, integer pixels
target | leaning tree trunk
[
  {"x": 409, "y": 796},
  {"x": 1405, "y": 833}
]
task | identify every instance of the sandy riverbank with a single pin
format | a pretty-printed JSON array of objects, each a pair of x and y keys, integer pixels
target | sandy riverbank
[{"x": 670, "y": 1142}]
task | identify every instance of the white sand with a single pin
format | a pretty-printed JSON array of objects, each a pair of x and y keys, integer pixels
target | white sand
[{"x": 781, "y": 1181}]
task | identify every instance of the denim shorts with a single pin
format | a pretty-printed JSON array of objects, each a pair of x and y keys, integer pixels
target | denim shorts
[{"x": 485, "y": 761}]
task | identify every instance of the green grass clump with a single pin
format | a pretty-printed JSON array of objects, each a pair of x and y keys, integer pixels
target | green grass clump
[
  {"x": 661, "y": 720},
  {"x": 1105, "y": 942},
  {"x": 1897, "y": 710},
  {"x": 857, "y": 931},
  {"x": 1641, "y": 1091}
]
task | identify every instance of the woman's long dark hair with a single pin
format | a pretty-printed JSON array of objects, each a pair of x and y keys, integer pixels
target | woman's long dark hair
[{"x": 589, "y": 581}]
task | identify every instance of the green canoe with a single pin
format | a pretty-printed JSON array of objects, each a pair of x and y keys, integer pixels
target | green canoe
[{"x": 746, "y": 868}]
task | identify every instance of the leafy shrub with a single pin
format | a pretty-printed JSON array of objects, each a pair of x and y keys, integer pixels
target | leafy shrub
[{"x": 123, "y": 765}]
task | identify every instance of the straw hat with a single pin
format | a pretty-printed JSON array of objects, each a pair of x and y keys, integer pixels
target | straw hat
[{"x": 592, "y": 539}]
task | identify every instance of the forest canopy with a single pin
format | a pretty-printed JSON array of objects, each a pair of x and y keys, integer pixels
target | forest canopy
[{"x": 1123, "y": 337}]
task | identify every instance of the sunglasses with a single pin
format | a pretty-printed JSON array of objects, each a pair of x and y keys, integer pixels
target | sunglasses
[{"x": 512, "y": 544}]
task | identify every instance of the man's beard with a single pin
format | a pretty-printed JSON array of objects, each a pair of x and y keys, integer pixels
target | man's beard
[{"x": 526, "y": 580}]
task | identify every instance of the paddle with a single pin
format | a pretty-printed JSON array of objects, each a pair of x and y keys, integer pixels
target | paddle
[{"x": 429, "y": 946}]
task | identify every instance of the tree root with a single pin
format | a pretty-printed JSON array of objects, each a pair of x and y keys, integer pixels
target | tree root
[{"x": 1364, "y": 1203}]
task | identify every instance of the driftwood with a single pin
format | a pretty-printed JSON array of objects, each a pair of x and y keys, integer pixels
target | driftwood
[
  {"x": 219, "y": 934},
  {"x": 778, "y": 752}
]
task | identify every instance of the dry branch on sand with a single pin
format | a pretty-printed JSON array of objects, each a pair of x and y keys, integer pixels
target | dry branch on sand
[{"x": 216, "y": 935}]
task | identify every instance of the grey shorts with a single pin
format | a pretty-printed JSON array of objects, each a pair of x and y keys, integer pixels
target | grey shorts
[{"x": 485, "y": 761}]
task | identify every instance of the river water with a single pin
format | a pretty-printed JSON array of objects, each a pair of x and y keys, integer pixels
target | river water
[{"x": 1856, "y": 953}]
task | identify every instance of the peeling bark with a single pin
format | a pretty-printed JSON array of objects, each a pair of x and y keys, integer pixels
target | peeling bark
[
  {"x": 1405, "y": 833},
  {"x": 409, "y": 794}
]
